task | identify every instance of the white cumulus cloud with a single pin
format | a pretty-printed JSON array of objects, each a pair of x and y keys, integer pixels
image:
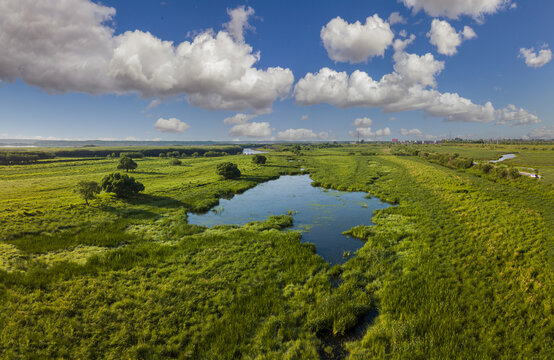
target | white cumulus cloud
[
  {"x": 405, "y": 89},
  {"x": 396, "y": 18},
  {"x": 416, "y": 69},
  {"x": 514, "y": 116},
  {"x": 82, "y": 54},
  {"x": 383, "y": 132},
  {"x": 301, "y": 134},
  {"x": 454, "y": 8},
  {"x": 153, "y": 104},
  {"x": 363, "y": 122},
  {"x": 445, "y": 37},
  {"x": 544, "y": 133},
  {"x": 366, "y": 132},
  {"x": 304, "y": 117},
  {"x": 411, "y": 132},
  {"x": 239, "y": 118},
  {"x": 171, "y": 125},
  {"x": 356, "y": 42},
  {"x": 239, "y": 22},
  {"x": 251, "y": 130},
  {"x": 534, "y": 59}
]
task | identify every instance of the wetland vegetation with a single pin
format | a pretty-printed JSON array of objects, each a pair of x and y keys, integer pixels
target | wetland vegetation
[{"x": 461, "y": 267}]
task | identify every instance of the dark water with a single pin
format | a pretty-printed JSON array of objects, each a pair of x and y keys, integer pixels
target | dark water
[{"x": 322, "y": 215}]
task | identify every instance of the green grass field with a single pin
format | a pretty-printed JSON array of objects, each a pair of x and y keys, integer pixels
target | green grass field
[{"x": 462, "y": 267}]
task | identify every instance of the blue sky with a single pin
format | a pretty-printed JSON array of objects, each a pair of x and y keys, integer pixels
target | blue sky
[{"x": 291, "y": 70}]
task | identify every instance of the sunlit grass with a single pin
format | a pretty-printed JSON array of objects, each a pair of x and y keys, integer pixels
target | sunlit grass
[{"x": 461, "y": 267}]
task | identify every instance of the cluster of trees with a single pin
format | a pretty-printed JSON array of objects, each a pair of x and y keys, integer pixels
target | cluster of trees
[
  {"x": 22, "y": 158},
  {"x": 259, "y": 159},
  {"x": 147, "y": 152},
  {"x": 503, "y": 172},
  {"x": 212, "y": 153},
  {"x": 177, "y": 154},
  {"x": 132, "y": 155},
  {"x": 228, "y": 170},
  {"x": 449, "y": 160},
  {"x": 29, "y": 157},
  {"x": 453, "y": 161},
  {"x": 122, "y": 185}
]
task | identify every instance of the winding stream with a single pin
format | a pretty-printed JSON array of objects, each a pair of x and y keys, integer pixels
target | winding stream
[{"x": 504, "y": 157}]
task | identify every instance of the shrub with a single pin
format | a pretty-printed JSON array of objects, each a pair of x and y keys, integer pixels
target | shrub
[
  {"x": 162, "y": 155},
  {"x": 175, "y": 162},
  {"x": 228, "y": 170},
  {"x": 121, "y": 185},
  {"x": 127, "y": 164},
  {"x": 259, "y": 159}
]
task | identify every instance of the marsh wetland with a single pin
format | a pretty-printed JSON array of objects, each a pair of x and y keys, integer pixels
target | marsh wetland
[{"x": 324, "y": 251}]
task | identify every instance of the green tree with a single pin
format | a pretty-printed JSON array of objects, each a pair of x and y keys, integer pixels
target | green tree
[
  {"x": 228, "y": 170},
  {"x": 127, "y": 164},
  {"x": 87, "y": 189},
  {"x": 487, "y": 168},
  {"x": 121, "y": 185},
  {"x": 259, "y": 159},
  {"x": 175, "y": 162},
  {"x": 513, "y": 173}
]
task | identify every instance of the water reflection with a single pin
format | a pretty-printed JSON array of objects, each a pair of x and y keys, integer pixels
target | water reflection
[{"x": 321, "y": 214}]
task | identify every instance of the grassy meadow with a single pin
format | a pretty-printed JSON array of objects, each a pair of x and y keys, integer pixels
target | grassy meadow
[{"x": 461, "y": 268}]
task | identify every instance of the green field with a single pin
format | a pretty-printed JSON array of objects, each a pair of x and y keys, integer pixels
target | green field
[{"x": 461, "y": 268}]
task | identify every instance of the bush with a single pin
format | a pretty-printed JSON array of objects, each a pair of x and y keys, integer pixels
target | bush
[
  {"x": 175, "y": 162},
  {"x": 228, "y": 170},
  {"x": 162, "y": 155},
  {"x": 259, "y": 159},
  {"x": 121, "y": 185},
  {"x": 127, "y": 164}
]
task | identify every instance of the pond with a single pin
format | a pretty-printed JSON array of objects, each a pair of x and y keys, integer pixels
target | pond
[
  {"x": 503, "y": 157},
  {"x": 248, "y": 151},
  {"x": 322, "y": 215}
]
